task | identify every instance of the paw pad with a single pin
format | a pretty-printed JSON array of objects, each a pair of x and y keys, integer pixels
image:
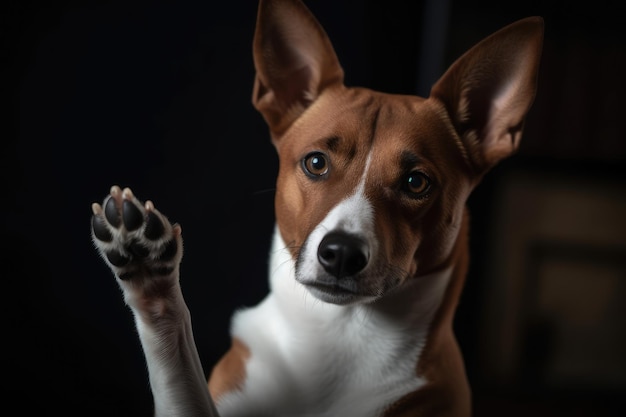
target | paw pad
[{"x": 154, "y": 228}]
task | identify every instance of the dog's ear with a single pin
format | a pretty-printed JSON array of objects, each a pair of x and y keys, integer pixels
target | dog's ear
[
  {"x": 294, "y": 62},
  {"x": 488, "y": 91}
]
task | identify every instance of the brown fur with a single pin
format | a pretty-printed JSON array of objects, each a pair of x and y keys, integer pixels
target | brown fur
[
  {"x": 447, "y": 391},
  {"x": 472, "y": 119},
  {"x": 230, "y": 372}
]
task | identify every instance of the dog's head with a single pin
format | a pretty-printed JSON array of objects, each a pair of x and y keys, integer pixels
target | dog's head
[{"x": 372, "y": 187}]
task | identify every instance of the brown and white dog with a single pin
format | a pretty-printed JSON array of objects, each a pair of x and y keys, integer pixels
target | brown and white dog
[{"x": 370, "y": 247}]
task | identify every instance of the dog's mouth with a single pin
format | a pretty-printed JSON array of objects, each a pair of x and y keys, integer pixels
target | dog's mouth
[
  {"x": 332, "y": 293},
  {"x": 340, "y": 293}
]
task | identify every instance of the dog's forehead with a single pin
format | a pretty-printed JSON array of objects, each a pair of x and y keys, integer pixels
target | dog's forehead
[
  {"x": 356, "y": 120},
  {"x": 360, "y": 112}
]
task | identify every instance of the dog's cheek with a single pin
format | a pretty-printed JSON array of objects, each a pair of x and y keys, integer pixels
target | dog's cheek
[
  {"x": 299, "y": 208},
  {"x": 443, "y": 222},
  {"x": 397, "y": 239},
  {"x": 289, "y": 205}
]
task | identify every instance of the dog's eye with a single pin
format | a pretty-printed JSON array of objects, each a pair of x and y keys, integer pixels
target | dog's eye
[
  {"x": 416, "y": 183},
  {"x": 315, "y": 164}
]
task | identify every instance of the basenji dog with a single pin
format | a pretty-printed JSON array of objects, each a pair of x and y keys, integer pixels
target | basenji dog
[{"x": 370, "y": 248}]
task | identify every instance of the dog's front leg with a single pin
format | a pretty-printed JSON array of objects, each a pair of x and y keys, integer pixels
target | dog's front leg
[{"x": 144, "y": 251}]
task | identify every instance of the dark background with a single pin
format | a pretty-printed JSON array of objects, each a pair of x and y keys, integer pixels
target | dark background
[{"x": 156, "y": 96}]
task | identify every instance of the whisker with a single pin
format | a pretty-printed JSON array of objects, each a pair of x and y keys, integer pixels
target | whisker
[{"x": 265, "y": 191}]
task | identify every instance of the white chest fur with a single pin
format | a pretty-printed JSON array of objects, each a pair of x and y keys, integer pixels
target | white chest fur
[{"x": 310, "y": 358}]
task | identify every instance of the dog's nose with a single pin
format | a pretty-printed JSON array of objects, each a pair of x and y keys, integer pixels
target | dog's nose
[{"x": 342, "y": 254}]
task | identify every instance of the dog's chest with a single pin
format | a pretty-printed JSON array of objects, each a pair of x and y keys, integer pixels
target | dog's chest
[{"x": 297, "y": 366}]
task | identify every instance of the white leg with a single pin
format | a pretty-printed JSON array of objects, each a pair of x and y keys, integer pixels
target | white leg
[{"x": 144, "y": 251}]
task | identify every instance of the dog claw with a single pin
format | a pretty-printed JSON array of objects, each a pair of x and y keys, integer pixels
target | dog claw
[{"x": 96, "y": 209}]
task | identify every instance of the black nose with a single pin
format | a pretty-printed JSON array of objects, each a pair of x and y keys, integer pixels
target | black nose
[{"x": 342, "y": 254}]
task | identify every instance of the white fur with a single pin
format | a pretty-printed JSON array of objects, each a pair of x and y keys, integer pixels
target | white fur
[
  {"x": 307, "y": 357},
  {"x": 354, "y": 215},
  {"x": 315, "y": 359}
]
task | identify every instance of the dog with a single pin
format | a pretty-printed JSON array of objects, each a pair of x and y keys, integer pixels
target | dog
[{"x": 370, "y": 249}]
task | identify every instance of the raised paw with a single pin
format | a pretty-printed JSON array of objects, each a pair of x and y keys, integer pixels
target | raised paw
[{"x": 135, "y": 239}]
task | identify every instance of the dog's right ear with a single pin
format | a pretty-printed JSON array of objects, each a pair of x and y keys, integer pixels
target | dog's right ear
[
  {"x": 488, "y": 91},
  {"x": 294, "y": 62}
]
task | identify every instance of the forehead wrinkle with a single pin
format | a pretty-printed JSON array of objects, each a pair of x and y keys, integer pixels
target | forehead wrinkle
[
  {"x": 332, "y": 143},
  {"x": 374, "y": 125},
  {"x": 360, "y": 188},
  {"x": 363, "y": 108},
  {"x": 408, "y": 160},
  {"x": 372, "y": 137},
  {"x": 340, "y": 146}
]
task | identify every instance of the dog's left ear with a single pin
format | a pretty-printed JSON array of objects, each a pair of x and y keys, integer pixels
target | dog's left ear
[
  {"x": 488, "y": 91},
  {"x": 294, "y": 62}
]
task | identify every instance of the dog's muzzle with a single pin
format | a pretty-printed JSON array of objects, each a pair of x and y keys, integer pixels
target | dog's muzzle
[{"x": 341, "y": 258}]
